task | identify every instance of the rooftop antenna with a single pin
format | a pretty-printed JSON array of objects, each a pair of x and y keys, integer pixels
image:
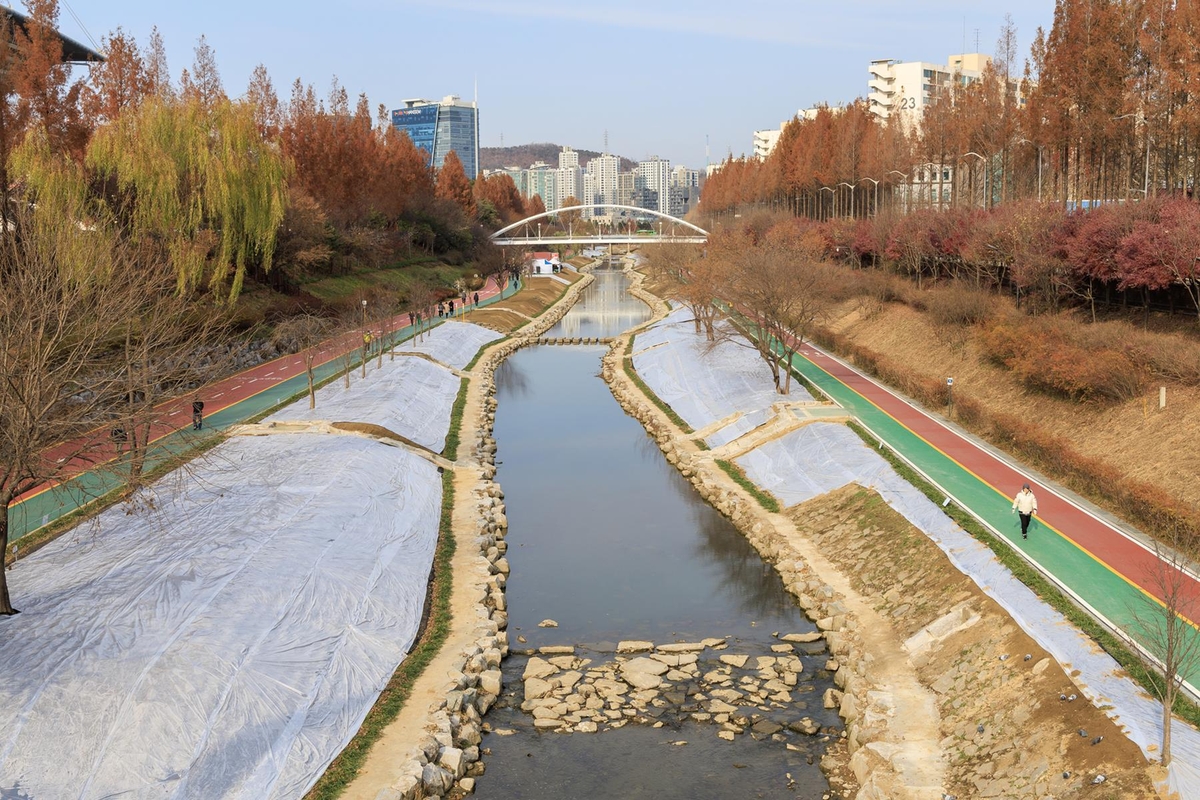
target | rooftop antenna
[
  {"x": 706, "y": 158},
  {"x": 964, "y": 44},
  {"x": 977, "y": 40},
  {"x": 606, "y": 141}
]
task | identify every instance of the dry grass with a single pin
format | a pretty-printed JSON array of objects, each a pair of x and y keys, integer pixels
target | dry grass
[
  {"x": 535, "y": 296},
  {"x": 1141, "y": 442},
  {"x": 497, "y": 319}
]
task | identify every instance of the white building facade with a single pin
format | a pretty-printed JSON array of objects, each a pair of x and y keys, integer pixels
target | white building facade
[
  {"x": 653, "y": 176},
  {"x": 906, "y": 88},
  {"x": 765, "y": 141}
]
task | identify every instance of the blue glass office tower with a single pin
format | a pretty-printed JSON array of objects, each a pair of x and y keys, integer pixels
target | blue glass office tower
[{"x": 439, "y": 127}]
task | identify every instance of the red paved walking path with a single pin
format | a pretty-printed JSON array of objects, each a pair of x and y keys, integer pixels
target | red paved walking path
[
  {"x": 1119, "y": 552},
  {"x": 86, "y": 453}
]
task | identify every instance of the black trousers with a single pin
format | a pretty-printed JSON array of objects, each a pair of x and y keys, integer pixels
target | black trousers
[{"x": 1024, "y": 522}]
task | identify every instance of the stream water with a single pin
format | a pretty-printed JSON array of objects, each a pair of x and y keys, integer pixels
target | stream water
[{"x": 609, "y": 541}]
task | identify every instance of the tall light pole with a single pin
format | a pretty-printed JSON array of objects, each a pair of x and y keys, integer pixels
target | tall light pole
[
  {"x": 908, "y": 186},
  {"x": 831, "y": 190},
  {"x": 875, "y": 204},
  {"x": 851, "y": 185},
  {"x": 985, "y": 176},
  {"x": 365, "y": 340}
]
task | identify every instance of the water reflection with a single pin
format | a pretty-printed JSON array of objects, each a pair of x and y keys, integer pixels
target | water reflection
[
  {"x": 512, "y": 380},
  {"x": 606, "y": 309}
]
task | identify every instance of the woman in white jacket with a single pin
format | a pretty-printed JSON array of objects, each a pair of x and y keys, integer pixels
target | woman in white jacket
[{"x": 1025, "y": 504}]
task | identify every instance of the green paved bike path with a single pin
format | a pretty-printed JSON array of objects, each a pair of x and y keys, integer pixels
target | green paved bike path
[
  {"x": 1088, "y": 579},
  {"x": 40, "y": 509}
]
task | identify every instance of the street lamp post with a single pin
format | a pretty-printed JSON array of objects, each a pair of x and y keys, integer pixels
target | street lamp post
[
  {"x": 950, "y": 394},
  {"x": 985, "y": 175},
  {"x": 365, "y": 339},
  {"x": 908, "y": 186},
  {"x": 875, "y": 203},
  {"x": 852, "y": 186},
  {"x": 831, "y": 191}
]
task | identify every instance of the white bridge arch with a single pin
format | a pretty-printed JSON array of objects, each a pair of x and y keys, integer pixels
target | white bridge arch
[{"x": 694, "y": 235}]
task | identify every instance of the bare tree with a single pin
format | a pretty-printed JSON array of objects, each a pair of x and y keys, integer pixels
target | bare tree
[
  {"x": 1169, "y": 626},
  {"x": 418, "y": 302},
  {"x": 782, "y": 287},
  {"x": 304, "y": 334},
  {"x": 171, "y": 344},
  {"x": 59, "y": 308},
  {"x": 350, "y": 322},
  {"x": 693, "y": 278},
  {"x": 383, "y": 303}
]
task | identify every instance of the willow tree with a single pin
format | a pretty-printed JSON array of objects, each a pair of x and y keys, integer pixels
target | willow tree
[{"x": 199, "y": 179}]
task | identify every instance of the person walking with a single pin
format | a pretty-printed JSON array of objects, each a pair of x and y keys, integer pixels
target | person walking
[
  {"x": 119, "y": 437},
  {"x": 1025, "y": 505},
  {"x": 477, "y": 299},
  {"x": 197, "y": 414}
]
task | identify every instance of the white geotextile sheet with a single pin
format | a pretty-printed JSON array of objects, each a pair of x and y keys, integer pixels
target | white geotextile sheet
[
  {"x": 228, "y": 644},
  {"x": 451, "y": 343},
  {"x": 408, "y": 395},
  {"x": 821, "y": 457},
  {"x": 739, "y": 427},
  {"x": 704, "y": 384}
]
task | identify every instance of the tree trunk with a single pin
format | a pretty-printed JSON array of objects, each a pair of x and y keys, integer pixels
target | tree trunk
[
  {"x": 1168, "y": 704},
  {"x": 312, "y": 392},
  {"x": 6, "y": 608}
]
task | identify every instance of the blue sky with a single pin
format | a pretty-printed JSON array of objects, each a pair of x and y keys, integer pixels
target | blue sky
[{"x": 659, "y": 75}]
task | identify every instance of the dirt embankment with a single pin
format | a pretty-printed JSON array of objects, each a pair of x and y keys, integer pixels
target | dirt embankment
[
  {"x": 1006, "y": 731},
  {"x": 1140, "y": 441}
]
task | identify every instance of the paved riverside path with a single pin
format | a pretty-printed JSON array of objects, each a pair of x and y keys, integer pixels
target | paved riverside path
[
  {"x": 228, "y": 402},
  {"x": 1105, "y": 569}
]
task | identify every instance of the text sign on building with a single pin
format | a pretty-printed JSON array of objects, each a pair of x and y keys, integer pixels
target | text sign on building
[{"x": 419, "y": 123}]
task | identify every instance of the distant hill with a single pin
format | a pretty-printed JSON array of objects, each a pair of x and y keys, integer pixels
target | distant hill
[{"x": 523, "y": 155}]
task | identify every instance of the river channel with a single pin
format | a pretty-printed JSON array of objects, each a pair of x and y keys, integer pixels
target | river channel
[{"x": 610, "y": 542}]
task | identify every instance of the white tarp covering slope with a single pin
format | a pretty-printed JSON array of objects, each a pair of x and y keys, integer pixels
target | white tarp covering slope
[
  {"x": 821, "y": 457},
  {"x": 227, "y": 645},
  {"x": 451, "y": 343},
  {"x": 703, "y": 384},
  {"x": 409, "y": 396}
]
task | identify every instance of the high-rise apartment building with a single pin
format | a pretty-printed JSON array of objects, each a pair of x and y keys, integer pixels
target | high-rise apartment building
[
  {"x": 907, "y": 87},
  {"x": 625, "y": 188},
  {"x": 541, "y": 179},
  {"x": 604, "y": 169},
  {"x": 437, "y": 127},
  {"x": 765, "y": 141},
  {"x": 570, "y": 178},
  {"x": 652, "y": 184},
  {"x": 685, "y": 178}
]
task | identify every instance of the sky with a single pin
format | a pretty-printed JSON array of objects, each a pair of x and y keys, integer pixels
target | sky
[{"x": 662, "y": 77}]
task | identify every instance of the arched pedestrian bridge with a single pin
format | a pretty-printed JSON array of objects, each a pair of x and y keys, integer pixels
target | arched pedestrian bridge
[{"x": 528, "y": 231}]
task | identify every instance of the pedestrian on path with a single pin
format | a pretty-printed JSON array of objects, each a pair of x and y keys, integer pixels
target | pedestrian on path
[
  {"x": 119, "y": 437},
  {"x": 477, "y": 299},
  {"x": 197, "y": 413},
  {"x": 1025, "y": 505}
]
